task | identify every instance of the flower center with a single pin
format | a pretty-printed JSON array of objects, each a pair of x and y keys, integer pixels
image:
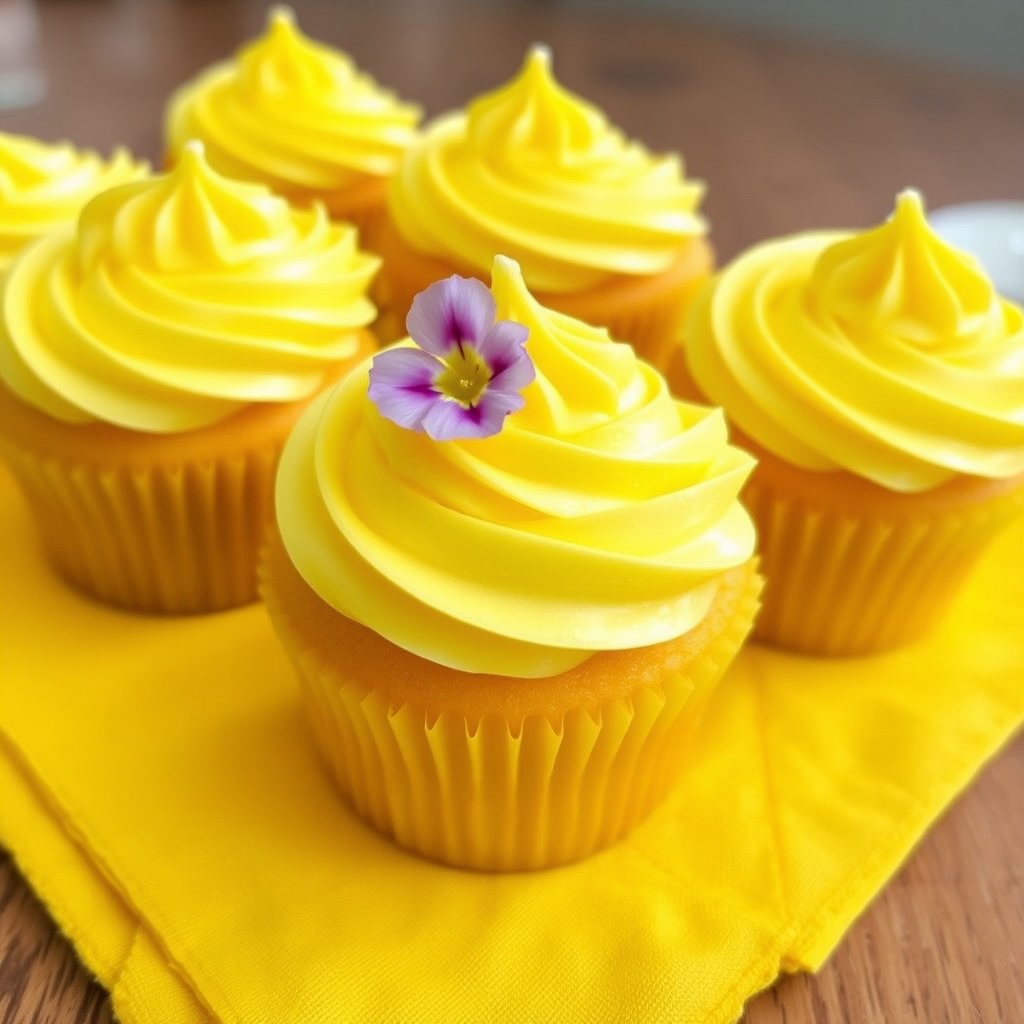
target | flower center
[{"x": 464, "y": 377}]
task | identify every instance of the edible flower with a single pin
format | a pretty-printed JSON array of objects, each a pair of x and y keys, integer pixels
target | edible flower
[{"x": 468, "y": 372}]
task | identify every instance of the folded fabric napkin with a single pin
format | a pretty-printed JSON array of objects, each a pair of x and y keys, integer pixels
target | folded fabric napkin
[{"x": 159, "y": 791}]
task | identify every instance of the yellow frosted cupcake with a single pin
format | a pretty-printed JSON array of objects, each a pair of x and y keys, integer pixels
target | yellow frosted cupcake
[
  {"x": 880, "y": 381},
  {"x": 43, "y": 186},
  {"x": 604, "y": 230},
  {"x": 299, "y": 117},
  {"x": 509, "y": 578},
  {"x": 152, "y": 361}
]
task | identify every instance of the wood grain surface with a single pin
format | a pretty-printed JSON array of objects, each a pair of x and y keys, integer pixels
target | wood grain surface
[{"x": 788, "y": 136}]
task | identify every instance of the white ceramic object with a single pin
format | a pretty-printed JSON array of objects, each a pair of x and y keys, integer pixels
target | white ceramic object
[
  {"x": 21, "y": 76},
  {"x": 992, "y": 231}
]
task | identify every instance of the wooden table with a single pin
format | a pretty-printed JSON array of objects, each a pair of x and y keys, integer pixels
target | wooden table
[{"x": 788, "y": 135}]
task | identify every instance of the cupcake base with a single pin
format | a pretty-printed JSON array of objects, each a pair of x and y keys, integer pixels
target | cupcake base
[
  {"x": 646, "y": 311},
  {"x": 157, "y": 523},
  {"x": 494, "y": 773},
  {"x": 851, "y": 567},
  {"x": 854, "y": 569}
]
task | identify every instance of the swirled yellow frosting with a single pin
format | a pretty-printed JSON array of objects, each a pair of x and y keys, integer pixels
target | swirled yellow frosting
[
  {"x": 886, "y": 353},
  {"x": 533, "y": 171},
  {"x": 293, "y": 114},
  {"x": 43, "y": 186},
  {"x": 180, "y": 299},
  {"x": 600, "y": 517}
]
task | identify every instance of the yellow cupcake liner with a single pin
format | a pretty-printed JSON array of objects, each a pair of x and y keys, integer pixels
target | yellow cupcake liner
[
  {"x": 853, "y": 582},
  {"x": 483, "y": 795},
  {"x": 172, "y": 539}
]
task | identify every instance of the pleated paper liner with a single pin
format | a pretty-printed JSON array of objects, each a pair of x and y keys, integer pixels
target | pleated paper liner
[
  {"x": 157, "y": 523},
  {"x": 851, "y": 567},
  {"x": 500, "y": 774},
  {"x": 168, "y": 539},
  {"x": 647, "y": 311}
]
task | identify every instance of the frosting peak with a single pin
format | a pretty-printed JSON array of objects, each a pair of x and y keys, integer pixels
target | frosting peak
[
  {"x": 582, "y": 377},
  {"x": 885, "y": 353},
  {"x": 285, "y": 62},
  {"x": 293, "y": 113},
  {"x": 537, "y": 172},
  {"x": 535, "y": 111},
  {"x": 27, "y": 163},
  {"x": 902, "y": 280},
  {"x": 189, "y": 219},
  {"x": 43, "y": 186},
  {"x": 181, "y": 298},
  {"x": 600, "y": 517}
]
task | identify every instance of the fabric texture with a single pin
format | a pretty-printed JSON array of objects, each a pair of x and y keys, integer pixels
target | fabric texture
[{"x": 159, "y": 789}]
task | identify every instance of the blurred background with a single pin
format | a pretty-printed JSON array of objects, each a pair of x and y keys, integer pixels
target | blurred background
[
  {"x": 986, "y": 35},
  {"x": 798, "y": 113}
]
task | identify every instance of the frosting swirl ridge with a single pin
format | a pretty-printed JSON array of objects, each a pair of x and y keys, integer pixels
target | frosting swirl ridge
[
  {"x": 600, "y": 517},
  {"x": 534, "y": 171},
  {"x": 181, "y": 298},
  {"x": 885, "y": 353},
  {"x": 291, "y": 112},
  {"x": 43, "y": 186}
]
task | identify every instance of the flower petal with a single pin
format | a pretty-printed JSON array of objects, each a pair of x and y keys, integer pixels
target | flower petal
[
  {"x": 515, "y": 377},
  {"x": 492, "y": 409},
  {"x": 401, "y": 385},
  {"x": 449, "y": 311},
  {"x": 502, "y": 349},
  {"x": 448, "y": 420},
  {"x": 502, "y": 344}
]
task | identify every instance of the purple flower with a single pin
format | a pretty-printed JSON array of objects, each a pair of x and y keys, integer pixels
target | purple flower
[{"x": 468, "y": 372}]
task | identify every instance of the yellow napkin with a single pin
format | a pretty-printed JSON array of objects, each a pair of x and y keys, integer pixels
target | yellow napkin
[{"x": 158, "y": 788}]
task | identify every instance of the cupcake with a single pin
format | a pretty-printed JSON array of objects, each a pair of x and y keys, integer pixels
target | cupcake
[
  {"x": 153, "y": 358},
  {"x": 509, "y": 578},
  {"x": 879, "y": 380},
  {"x": 44, "y": 186},
  {"x": 299, "y": 118},
  {"x": 604, "y": 230}
]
